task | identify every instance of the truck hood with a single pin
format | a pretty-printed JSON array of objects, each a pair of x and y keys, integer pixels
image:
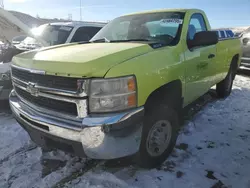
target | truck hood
[{"x": 80, "y": 60}]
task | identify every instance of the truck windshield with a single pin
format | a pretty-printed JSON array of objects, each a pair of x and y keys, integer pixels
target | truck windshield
[
  {"x": 52, "y": 34},
  {"x": 161, "y": 26}
]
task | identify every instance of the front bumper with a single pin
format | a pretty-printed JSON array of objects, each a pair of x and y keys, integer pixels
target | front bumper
[{"x": 99, "y": 137}]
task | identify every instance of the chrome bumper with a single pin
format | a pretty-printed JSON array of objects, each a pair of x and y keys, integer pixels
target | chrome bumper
[
  {"x": 245, "y": 62},
  {"x": 101, "y": 137}
]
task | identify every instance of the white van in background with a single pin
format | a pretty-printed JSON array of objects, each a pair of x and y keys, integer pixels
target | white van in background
[
  {"x": 60, "y": 33},
  {"x": 18, "y": 39},
  {"x": 52, "y": 34}
]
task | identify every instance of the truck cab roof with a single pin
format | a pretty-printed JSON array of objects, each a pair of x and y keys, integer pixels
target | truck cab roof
[{"x": 167, "y": 10}]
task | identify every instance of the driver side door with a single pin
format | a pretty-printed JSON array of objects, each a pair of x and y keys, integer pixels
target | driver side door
[{"x": 199, "y": 62}]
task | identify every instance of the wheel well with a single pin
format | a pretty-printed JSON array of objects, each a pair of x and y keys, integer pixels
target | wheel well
[
  {"x": 170, "y": 93},
  {"x": 234, "y": 62}
]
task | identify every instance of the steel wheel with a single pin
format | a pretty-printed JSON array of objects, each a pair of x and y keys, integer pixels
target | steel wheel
[{"x": 159, "y": 138}]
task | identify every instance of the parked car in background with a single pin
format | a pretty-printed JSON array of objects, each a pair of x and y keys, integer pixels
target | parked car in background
[
  {"x": 1, "y": 47},
  {"x": 18, "y": 39},
  {"x": 53, "y": 34},
  {"x": 1, "y": 43},
  {"x": 224, "y": 34},
  {"x": 60, "y": 33},
  {"x": 5, "y": 81},
  {"x": 123, "y": 92},
  {"x": 245, "y": 45},
  {"x": 237, "y": 34}
]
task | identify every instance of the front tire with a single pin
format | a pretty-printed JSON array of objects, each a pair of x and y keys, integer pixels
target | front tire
[
  {"x": 224, "y": 87},
  {"x": 159, "y": 135}
]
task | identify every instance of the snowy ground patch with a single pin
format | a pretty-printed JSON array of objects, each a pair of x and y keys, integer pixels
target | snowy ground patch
[{"x": 213, "y": 150}]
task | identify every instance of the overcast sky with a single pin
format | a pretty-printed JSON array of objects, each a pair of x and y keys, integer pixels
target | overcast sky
[{"x": 221, "y": 13}]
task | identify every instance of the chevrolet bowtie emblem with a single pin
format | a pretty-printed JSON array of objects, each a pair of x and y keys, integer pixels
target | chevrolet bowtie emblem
[{"x": 31, "y": 88}]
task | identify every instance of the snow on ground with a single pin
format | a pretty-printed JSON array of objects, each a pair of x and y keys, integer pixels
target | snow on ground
[
  {"x": 12, "y": 136},
  {"x": 213, "y": 150}
]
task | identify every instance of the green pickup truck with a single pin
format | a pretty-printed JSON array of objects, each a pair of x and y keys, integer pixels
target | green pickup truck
[{"x": 122, "y": 93}]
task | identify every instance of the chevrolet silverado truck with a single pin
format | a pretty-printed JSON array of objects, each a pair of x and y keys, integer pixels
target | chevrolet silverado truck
[{"x": 122, "y": 93}]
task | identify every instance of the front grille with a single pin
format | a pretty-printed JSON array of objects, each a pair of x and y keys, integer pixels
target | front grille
[
  {"x": 52, "y": 104},
  {"x": 56, "y": 82}
]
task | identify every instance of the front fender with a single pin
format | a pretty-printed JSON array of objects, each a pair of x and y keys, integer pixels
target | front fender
[{"x": 153, "y": 70}]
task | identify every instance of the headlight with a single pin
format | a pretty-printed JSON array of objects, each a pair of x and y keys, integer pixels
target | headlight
[{"x": 113, "y": 94}]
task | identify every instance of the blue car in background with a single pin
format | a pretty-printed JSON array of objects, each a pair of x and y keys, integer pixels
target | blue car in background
[{"x": 225, "y": 34}]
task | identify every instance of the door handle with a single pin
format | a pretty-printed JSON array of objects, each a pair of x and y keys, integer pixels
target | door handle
[{"x": 210, "y": 56}]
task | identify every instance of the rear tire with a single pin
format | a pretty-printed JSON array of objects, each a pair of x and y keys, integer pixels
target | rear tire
[
  {"x": 224, "y": 87},
  {"x": 159, "y": 135}
]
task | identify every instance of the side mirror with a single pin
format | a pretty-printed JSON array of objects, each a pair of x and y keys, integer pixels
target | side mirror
[{"x": 204, "y": 38}]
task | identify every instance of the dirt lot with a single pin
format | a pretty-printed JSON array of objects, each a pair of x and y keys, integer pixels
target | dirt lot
[{"x": 212, "y": 151}]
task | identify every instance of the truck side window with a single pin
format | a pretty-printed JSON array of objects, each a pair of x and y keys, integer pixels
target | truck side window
[
  {"x": 197, "y": 24},
  {"x": 85, "y": 33}
]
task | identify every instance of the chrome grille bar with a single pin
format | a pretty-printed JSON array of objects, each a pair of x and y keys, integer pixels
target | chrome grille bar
[
  {"x": 81, "y": 104},
  {"x": 51, "y": 90},
  {"x": 79, "y": 98},
  {"x": 79, "y": 91}
]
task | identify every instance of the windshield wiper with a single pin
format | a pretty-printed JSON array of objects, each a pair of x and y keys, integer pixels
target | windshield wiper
[{"x": 104, "y": 39}]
